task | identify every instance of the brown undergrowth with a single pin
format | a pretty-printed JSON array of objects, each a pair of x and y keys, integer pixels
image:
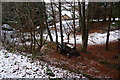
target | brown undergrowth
[{"x": 97, "y": 63}]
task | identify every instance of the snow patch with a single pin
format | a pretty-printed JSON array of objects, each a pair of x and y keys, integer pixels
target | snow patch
[
  {"x": 18, "y": 66},
  {"x": 93, "y": 39}
]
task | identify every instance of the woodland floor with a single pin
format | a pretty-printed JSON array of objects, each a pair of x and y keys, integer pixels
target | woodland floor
[{"x": 97, "y": 63}]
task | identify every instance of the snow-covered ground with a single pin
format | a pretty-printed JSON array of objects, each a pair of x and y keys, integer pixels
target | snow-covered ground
[
  {"x": 93, "y": 39},
  {"x": 18, "y": 66}
]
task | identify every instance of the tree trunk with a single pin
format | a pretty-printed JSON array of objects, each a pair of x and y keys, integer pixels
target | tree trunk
[
  {"x": 74, "y": 26},
  {"x": 107, "y": 40},
  {"x": 41, "y": 37},
  {"x": 113, "y": 19},
  {"x": 85, "y": 23},
  {"x": 54, "y": 22},
  {"x": 80, "y": 15},
  {"x": 61, "y": 32},
  {"x": 83, "y": 28},
  {"x": 33, "y": 36},
  {"x": 88, "y": 24},
  {"x": 108, "y": 30},
  {"x": 31, "y": 45},
  {"x": 104, "y": 19},
  {"x": 0, "y": 22},
  {"x": 68, "y": 37},
  {"x": 49, "y": 33}
]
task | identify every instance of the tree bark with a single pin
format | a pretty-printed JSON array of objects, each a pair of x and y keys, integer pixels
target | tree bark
[
  {"x": 61, "y": 32},
  {"x": 88, "y": 24},
  {"x": 74, "y": 26},
  {"x": 31, "y": 45},
  {"x": 80, "y": 15},
  {"x": 41, "y": 37},
  {"x": 85, "y": 23},
  {"x": 83, "y": 28},
  {"x": 54, "y": 22},
  {"x": 51, "y": 39},
  {"x": 108, "y": 30}
]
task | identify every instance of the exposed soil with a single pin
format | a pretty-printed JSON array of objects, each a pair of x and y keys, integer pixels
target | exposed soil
[
  {"x": 97, "y": 63},
  {"x": 99, "y": 27}
]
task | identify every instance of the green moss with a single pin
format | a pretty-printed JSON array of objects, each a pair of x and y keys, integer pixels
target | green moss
[
  {"x": 9, "y": 49},
  {"x": 116, "y": 25},
  {"x": 49, "y": 72},
  {"x": 109, "y": 64}
]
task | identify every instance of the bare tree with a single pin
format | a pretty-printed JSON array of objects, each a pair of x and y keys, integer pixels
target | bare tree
[
  {"x": 28, "y": 19},
  {"x": 47, "y": 23},
  {"x": 74, "y": 26},
  {"x": 83, "y": 28},
  {"x": 54, "y": 22},
  {"x": 84, "y": 22},
  {"x": 61, "y": 32},
  {"x": 108, "y": 29},
  {"x": 80, "y": 15},
  {"x": 88, "y": 23}
]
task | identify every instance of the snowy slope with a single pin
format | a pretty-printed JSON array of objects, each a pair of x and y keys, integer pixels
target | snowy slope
[
  {"x": 93, "y": 39},
  {"x": 18, "y": 66}
]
